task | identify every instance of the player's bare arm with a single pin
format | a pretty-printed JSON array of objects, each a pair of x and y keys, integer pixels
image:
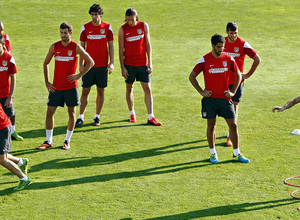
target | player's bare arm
[
  {"x": 256, "y": 62},
  {"x": 89, "y": 64},
  {"x": 48, "y": 58},
  {"x": 121, "y": 53},
  {"x": 81, "y": 65},
  {"x": 236, "y": 84},
  {"x": 9, "y": 101},
  {"x": 289, "y": 104},
  {"x": 111, "y": 57},
  {"x": 148, "y": 48},
  {"x": 193, "y": 80}
]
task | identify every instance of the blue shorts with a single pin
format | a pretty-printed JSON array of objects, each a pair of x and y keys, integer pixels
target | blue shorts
[
  {"x": 96, "y": 75},
  {"x": 239, "y": 92},
  {"x": 138, "y": 73},
  {"x": 69, "y": 97},
  {"x": 211, "y": 107}
]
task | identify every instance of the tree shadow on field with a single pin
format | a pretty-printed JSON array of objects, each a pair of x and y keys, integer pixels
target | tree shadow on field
[{"x": 228, "y": 209}]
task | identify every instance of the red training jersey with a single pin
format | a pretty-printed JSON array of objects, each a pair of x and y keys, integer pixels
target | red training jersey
[
  {"x": 238, "y": 51},
  {"x": 96, "y": 38},
  {"x": 216, "y": 73},
  {"x": 7, "y": 42},
  {"x": 134, "y": 44},
  {"x": 4, "y": 120},
  {"x": 66, "y": 61},
  {"x": 7, "y": 67}
]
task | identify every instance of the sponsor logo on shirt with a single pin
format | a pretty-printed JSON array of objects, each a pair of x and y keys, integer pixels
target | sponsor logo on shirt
[
  {"x": 4, "y": 62},
  {"x": 135, "y": 38},
  {"x": 96, "y": 37},
  {"x": 218, "y": 70},
  {"x": 64, "y": 59},
  {"x": 3, "y": 68},
  {"x": 234, "y": 54}
]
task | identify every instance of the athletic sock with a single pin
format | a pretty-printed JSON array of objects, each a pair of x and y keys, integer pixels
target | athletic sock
[
  {"x": 150, "y": 116},
  {"x": 69, "y": 135},
  {"x": 97, "y": 116},
  {"x": 21, "y": 162},
  {"x": 49, "y": 136},
  {"x": 81, "y": 116},
  {"x": 228, "y": 135},
  {"x": 24, "y": 178},
  {"x": 212, "y": 151},
  {"x": 13, "y": 129},
  {"x": 236, "y": 152},
  {"x": 132, "y": 112}
]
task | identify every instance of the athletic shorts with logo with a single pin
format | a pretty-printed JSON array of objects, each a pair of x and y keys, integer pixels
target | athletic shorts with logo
[
  {"x": 239, "y": 92},
  {"x": 8, "y": 111},
  {"x": 213, "y": 107},
  {"x": 69, "y": 97},
  {"x": 5, "y": 140},
  {"x": 138, "y": 73},
  {"x": 96, "y": 75}
]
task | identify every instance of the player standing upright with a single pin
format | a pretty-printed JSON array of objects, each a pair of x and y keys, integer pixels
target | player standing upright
[
  {"x": 64, "y": 89},
  {"x": 134, "y": 49},
  {"x": 238, "y": 49},
  {"x": 216, "y": 67},
  {"x": 97, "y": 38}
]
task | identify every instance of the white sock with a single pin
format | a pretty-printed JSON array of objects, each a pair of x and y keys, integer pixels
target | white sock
[
  {"x": 236, "y": 152},
  {"x": 213, "y": 151},
  {"x": 150, "y": 116},
  {"x": 21, "y": 162},
  {"x": 24, "y": 178},
  {"x": 69, "y": 135},
  {"x": 49, "y": 136},
  {"x": 81, "y": 116},
  {"x": 228, "y": 135},
  {"x": 132, "y": 112},
  {"x": 13, "y": 129},
  {"x": 97, "y": 116}
]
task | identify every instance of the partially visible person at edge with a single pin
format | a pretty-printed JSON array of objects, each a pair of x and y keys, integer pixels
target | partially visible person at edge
[
  {"x": 238, "y": 49},
  {"x": 289, "y": 104},
  {"x": 64, "y": 89},
  {"x": 17, "y": 166},
  {"x": 216, "y": 67},
  {"x": 97, "y": 38},
  {"x": 7, "y": 48},
  {"x": 134, "y": 49}
]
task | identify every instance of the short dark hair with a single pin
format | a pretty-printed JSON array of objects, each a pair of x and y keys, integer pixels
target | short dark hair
[
  {"x": 2, "y": 40},
  {"x": 131, "y": 12},
  {"x": 231, "y": 26},
  {"x": 66, "y": 25},
  {"x": 217, "y": 38},
  {"x": 96, "y": 8}
]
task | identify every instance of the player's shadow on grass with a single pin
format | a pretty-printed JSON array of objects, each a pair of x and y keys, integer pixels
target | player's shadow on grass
[{"x": 222, "y": 211}]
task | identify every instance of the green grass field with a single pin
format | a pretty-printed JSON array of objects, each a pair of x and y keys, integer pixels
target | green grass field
[{"x": 133, "y": 171}]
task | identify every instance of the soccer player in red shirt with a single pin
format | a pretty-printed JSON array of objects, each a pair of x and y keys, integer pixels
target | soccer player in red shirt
[
  {"x": 6, "y": 37},
  {"x": 17, "y": 166},
  {"x": 64, "y": 89},
  {"x": 97, "y": 38},
  {"x": 134, "y": 48},
  {"x": 238, "y": 49},
  {"x": 216, "y": 67}
]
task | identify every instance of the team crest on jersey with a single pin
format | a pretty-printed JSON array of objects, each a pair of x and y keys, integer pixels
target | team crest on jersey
[
  {"x": 139, "y": 31},
  {"x": 224, "y": 63},
  {"x": 4, "y": 63},
  {"x": 70, "y": 52},
  {"x": 102, "y": 31},
  {"x": 236, "y": 49}
]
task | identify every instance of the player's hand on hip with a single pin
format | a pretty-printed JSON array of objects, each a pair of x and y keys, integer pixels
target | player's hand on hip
[
  {"x": 73, "y": 77},
  {"x": 50, "y": 87},
  {"x": 206, "y": 93},
  {"x": 228, "y": 94}
]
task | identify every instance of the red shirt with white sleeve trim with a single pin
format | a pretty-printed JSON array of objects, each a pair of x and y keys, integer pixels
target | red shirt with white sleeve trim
[
  {"x": 7, "y": 42},
  {"x": 7, "y": 67}
]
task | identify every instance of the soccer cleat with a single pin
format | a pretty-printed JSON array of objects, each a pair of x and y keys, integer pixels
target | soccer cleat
[
  {"x": 44, "y": 146},
  {"x": 214, "y": 158},
  {"x": 132, "y": 118},
  {"x": 24, "y": 167},
  {"x": 96, "y": 121},
  {"x": 22, "y": 184},
  {"x": 78, "y": 123},
  {"x": 228, "y": 142},
  {"x": 153, "y": 121},
  {"x": 241, "y": 158},
  {"x": 16, "y": 136},
  {"x": 66, "y": 145}
]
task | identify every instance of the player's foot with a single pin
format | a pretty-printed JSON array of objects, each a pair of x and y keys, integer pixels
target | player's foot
[
  {"x": 132, "y": 118},
  {"x": 78, "y": 123},
  {"x": 241, "y": 158},
  {"x": 24, "y": 167},
  {"x": 96, "y": 121},
  {"x": 23, "y": 184},
  {"x": 228, "y": 142},
  {"x": 16, "y": 136},
  {"x": 153, "y": 121},
  {"x": 44, "y": 146},
  {"x": 214, "y": 158},
  {"x": 66, "y": 145}
]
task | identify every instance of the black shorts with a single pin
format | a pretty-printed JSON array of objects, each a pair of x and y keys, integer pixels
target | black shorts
[
  {"x": 5, "y": 140},
  {"x": 138, "y": 73},
  {"x": 239, "y": 92},
  {"x": 211, "y": 107},
  {"x": 8, "y": 111},
  {"x": 96, "y": 75},
  {"x": 60, "y": 97}
]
